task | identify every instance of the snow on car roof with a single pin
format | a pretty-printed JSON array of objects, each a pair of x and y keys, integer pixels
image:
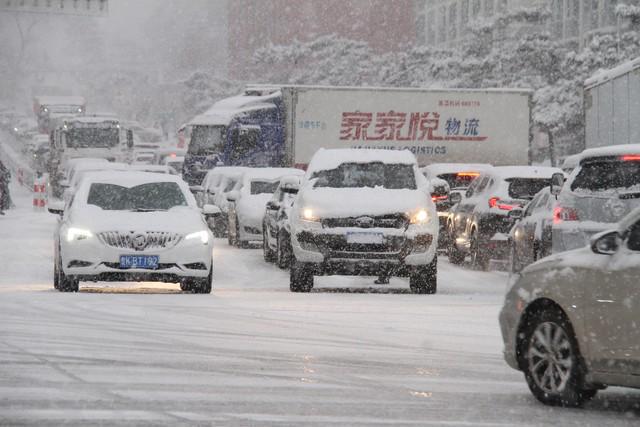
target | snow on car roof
[
  {"x": 506, "y": 172},
  {"x": 101, "y": 166},
  {"x": 129, "y": 178},
  {"x": 442, "y": 168},
  {"x": 270, "y": 173},
  {"x": 610, "y": 150},
  {"x": 60, "y": 100},
  {"x": 151, "y": 168},
  {"x": 325, "y": 159},
  {"x": 92, "y": 119}
]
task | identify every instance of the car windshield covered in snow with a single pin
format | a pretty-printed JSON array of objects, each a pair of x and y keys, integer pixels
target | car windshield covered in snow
[
  {"x": 206, "y": 140},
  {"x": 153, "y": 196},
  {"x": 360, "y": 175},
  {"x": 263, "y": 187},
  {"x": 605, "y": 175},
  {"x": 459, "y": 181},
  {"x": 101, "y": 137},
  {"x": 526, "y": 188}
]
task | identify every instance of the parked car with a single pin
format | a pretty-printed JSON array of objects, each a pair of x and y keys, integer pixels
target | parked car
[
  {"x": 479, "y": 225},
  {"x": 569, "y": 320},
  {"x": 132, "y": 226},
  {"x": 248, "y": 200},
  {"x": 602, "y": 189},
  {"x": 214, "y": 188},
  {"x": 276, "y": 239},
  {"x": 364, "y": 212},
  {"x": 530, "y": 236}
]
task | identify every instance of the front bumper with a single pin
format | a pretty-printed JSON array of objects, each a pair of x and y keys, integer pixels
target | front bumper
[
  {"x": 91, "y": 260},
  {"x": 329, "y": 251}
]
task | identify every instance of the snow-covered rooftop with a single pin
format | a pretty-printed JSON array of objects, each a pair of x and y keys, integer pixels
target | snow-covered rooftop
[
  {"x": 442, "y": 168},
  {"x": 325, "y": 159},
  {"x": 270, "y": 173},
  {"x": 507, "y": 172},
  {"x": 130, "y": 178},
  {"x": 611, "y": 150},
  {"x": 603, "y": 76},
  {"x": 60, "y": 100}
]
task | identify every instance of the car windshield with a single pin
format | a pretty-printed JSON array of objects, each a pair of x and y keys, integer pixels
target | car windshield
[
  {"x": 90, "y": 137},
  {"x": 526, "y": 188},
  {"x": 359, "y": 175},
  {"x": 459, "y": 181},
  {"x": 263, "y": 187},
  {"x": 607, "y": 175},
  {"x": 145, "y": 197},
  {"x": 230, "y": 184},
  {"x": 206, "y": 140}
]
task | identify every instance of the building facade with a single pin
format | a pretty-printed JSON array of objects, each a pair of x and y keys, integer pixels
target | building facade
[
  {"x": 444, "y": 22},
  {"x": 386, "y": 25}
]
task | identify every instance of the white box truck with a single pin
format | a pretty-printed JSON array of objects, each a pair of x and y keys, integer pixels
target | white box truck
[{"x": 612, "y": 106}]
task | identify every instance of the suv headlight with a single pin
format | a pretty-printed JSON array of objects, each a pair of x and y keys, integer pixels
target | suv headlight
[
  {"x": 202, "y": 235},
  {"x": 77, "y": 234},
  {"x": 308, "y": 215},
  {"x": 420, "y": 217}
]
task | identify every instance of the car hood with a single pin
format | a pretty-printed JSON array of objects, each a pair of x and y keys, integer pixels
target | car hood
[
  {"x": 577, "y": 258},
  {"x": 350, "y": 202},
  {"x": 179, "y": 220}
]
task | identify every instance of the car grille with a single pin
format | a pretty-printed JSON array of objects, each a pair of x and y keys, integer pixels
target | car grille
[
  {"x": 383, "y": 221},
  {"x": 139, "y": 241}
]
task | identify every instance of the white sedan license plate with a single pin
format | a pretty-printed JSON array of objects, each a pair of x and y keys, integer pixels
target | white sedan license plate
[
  {"x": 365, "y": 238},
  {"x": 139, "y": 261}
]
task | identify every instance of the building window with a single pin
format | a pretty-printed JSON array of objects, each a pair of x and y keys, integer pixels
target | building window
[
  {"x": 431, "y": 31},
  {"x": 453, "y": 21},
  {"x": 488, "y": 7},
  {"x": 475, "y": 8},
  {"x": 464, "y": 13},
  {"x": 442, "y": 28}
]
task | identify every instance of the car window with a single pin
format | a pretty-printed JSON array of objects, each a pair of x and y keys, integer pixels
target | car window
[
  {"x": 144, "y": 197},
  {"x": 263, "y": 187},
  {"x": 472, "y": 188},
  {"x": 526, "y": 188},
  {"x": 607, "y": 175},
  {"x": 533, "y": 204},
  {"x": 483, "y": 185},
  {"x": 230, "y": 184},
  {"x": 633, "y": 241},
  {"x": 541, "y": 204}
]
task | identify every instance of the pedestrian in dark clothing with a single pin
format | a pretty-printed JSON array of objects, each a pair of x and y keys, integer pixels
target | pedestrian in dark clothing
[{"x": 5, "y": 198}]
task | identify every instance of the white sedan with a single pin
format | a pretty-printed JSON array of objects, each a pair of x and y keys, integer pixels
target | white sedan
[{"x": 133, "y": 226}]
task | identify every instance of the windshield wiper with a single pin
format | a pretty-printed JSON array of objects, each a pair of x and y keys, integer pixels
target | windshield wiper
[{"x": 146, "y": 210}]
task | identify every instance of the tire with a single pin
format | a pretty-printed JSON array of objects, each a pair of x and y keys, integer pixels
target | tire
[
  {"x": 424, "y": 280},
  {"x": 283, "y": 251},
  {"x": 55, "y": 273},
  {"x": 554, "y": 372},
  {"x": 185, "y": 286},
  {"x": 301, "y": 277},
  {"x": 202, "y": 285},
  {"x": 268, "y": 254},
  {"x": 456, "y": 257},
  {"x": 479, "y": 258},
  {"x": 516, "y": 265},
  {"x": 64, "y": 283},
  {"x": 233, "y": 240}
]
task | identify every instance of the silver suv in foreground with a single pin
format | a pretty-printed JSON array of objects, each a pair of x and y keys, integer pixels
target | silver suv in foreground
[
  {"x": 364, "y": 212},
  {"x": 570, "y": 321}
]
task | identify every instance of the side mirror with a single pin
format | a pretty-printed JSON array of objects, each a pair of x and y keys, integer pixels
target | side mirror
[
  {"x": 64, "y": 183},
  {"x": 557, "y": 181},
  {"x": 515, "y": 214},
  {"x": 129, "y": 138},
  {"x": 455, "y": 198},
  {"x": 605, "y": 243},
  {"x": 211, "y": 210},
  {"x": 273, "y": 205},
  {"x": 233, "y": 196},
  {"x": 196, "y": 189},
  {"x": 56, "y": 207}
]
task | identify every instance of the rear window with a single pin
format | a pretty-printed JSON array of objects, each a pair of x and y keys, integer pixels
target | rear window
[
  {"x": 263, "y": 187},
  {"x": 459, "y": 181},
  {"x": 526, "y": 188},
  {"x": 367, "y": 175},
  {"x": 609, "y": 175}
]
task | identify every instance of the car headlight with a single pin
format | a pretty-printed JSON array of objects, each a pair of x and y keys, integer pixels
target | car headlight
[
  {"x": 308, "y": 215},
  {"x": 202, "y": 235},
  {"x": 77, "y": 234},
  {"x": 421, "y": 216}
]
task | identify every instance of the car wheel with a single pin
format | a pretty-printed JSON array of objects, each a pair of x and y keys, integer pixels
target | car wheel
[
  {"x": 55, "y": 273},
  {"x": 479, "y": 257},
  {"x": 267, "y": 252},
  {"x": 424, "y": 280},
  {"x": 456, "y": 257},
  {"x": 301, "y": 277},
  {"x": 203, "y": 285},
  {"x": 185, "y": 285},
  {"x": 66, "y": 283},
  {"x": 551, "y": 361},
  {"x": 283, "y": 251},
  {"x": 516, "y": 265},
  {"x": 232, "y": 239}
]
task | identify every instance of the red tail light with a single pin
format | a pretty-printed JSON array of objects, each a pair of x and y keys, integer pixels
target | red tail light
[
  {"x": 471, "y": 174},
  {"x": 439, "y": 198},
  {"x": 631, "y": 158},
  {"x": 494, "y": 202},
  {"x": 561, "y": 214}
]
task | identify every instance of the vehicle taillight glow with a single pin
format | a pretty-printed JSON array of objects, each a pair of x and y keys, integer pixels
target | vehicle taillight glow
[
  {"x": 494, "y": 202},
  {"x": 472, "y": 174},
  {"x": 631, "y": 158},
  {"x": 561, "y": 214},
  {"x": 439, "y": 198}
]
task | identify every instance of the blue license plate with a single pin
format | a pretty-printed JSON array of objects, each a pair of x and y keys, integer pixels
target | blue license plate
[{"x": 139, "y": 261}]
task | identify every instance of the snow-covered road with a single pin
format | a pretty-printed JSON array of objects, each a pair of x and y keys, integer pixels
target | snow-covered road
[{"x": 252, "y": 353}]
